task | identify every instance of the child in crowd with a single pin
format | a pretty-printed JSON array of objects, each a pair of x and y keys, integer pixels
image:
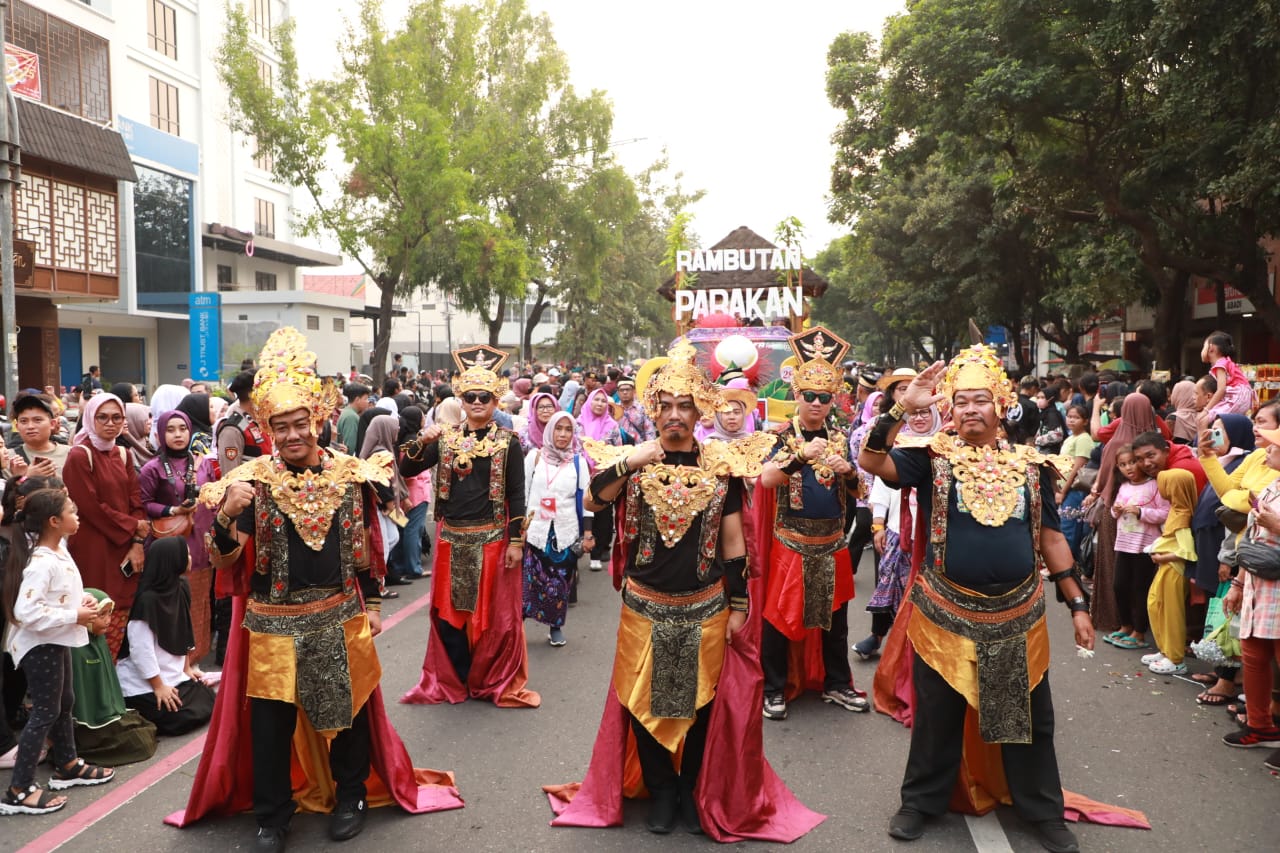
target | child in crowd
[
  {"x": 1139, "y": 511},
  {"x": 1233, "y": 394},
  {"x": 1167, "y": 598},
  {"x": 48, "y": 610},
  {"x": 1077, "y": 447}
]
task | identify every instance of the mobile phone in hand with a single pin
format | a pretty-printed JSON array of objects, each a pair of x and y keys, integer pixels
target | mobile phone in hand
[{"x": 126, "y": 568}]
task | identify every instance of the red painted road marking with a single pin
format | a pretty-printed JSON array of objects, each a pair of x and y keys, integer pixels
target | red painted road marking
[{"x": 158, "y": 772}]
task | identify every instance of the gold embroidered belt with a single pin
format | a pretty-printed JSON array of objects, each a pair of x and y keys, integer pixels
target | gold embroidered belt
[
  {"x": 466, "y": 560},
  {"x": 307, "y": 651},
  {"x": 816, "y": 540},
  {"x": 676, "y": 624},
  {"x": 997, "y": 626}
]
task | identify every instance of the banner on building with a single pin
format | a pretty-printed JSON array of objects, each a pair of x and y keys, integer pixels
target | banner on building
[
  {"x": 206, "y": 336},
  {"x": 22, "y": 71}
]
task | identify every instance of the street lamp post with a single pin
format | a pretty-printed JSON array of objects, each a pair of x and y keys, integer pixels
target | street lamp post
[{"x": 10, "y": 161}]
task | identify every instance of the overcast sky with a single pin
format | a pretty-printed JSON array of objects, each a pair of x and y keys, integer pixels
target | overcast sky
[{"x": 735, "y": 92}]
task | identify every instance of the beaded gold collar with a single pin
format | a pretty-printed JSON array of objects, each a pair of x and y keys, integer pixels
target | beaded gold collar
[
  {"x": 308, "y": 498},
  {"x": 466, "y": 447}
]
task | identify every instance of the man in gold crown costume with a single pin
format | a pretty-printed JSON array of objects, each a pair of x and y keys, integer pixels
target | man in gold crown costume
[
  {"x": 476, "y": 646},
  {"x": 978, "y": 625},
  {"x": 289, "y": 542},
  {"x": 685, "y": 668},
  {"x": 809, "y": 574}
]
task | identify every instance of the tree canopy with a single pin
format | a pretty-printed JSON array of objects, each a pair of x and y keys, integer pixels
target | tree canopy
[{"x": 1046, "y": 164}]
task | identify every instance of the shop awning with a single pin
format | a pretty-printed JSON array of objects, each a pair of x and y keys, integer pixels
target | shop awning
[
  {"x": 71, "y": 141},
  {"x": 219, "y": 236}
]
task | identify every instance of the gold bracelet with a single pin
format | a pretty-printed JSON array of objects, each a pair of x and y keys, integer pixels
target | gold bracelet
[{"x": 897, "y": 412}]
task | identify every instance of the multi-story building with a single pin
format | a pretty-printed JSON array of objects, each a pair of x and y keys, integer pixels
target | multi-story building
[{"x": 136, "y": 195}]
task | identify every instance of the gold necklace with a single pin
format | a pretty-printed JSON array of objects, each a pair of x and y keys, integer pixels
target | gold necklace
[
  {"x": 988, "y": 479},
  {"x": 677, "y": 494},
  {"x": 466, "y": 447}
]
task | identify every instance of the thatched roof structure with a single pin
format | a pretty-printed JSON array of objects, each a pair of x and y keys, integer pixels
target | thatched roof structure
[{"x": 745, "y": 238}]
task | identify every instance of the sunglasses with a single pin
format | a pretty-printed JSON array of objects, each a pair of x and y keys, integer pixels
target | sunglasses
[
  {"x": 814, "y": 396},
  {"x": 477, "y": 397},
  {"x": 109, "y": 419}
]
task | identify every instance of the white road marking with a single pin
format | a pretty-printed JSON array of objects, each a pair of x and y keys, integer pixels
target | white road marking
[{"x": 987, "y": 833}]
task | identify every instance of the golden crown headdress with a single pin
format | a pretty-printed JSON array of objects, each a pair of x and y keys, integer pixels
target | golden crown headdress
[
  {"x": 287, "y": 380},
  {"x": 978, "y": 368},
  {"x": 681, "y": 377},
  {"x": 478, "y": 366},
  {"x": 819, "y": 352}
]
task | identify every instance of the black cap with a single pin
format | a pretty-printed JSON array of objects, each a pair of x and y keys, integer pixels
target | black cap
[{"x": 32, "y": 401}]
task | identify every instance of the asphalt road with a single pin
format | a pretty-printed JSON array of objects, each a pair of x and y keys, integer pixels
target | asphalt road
[{"x": 1123, "y": 736}]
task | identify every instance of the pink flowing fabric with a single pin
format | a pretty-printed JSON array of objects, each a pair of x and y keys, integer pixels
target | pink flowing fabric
[
  {"x": 499, "y": 657},
  {"x": 739, "y": 795}
]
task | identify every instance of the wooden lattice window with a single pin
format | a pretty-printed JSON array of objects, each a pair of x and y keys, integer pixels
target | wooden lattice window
[
  {"x": 73, "y": 227},
  {"x": 75, "y": 67}
]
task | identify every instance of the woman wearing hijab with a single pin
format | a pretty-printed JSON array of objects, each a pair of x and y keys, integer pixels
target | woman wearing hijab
[
  {"x": 738, "y": 420},
  {"x": 106, "y": 730},
  {"x": 1136, "y": 417},
  {"x": 137, "y": 433},
  {"x": 861, "y": 536},
  {"x": 155, "y": 676},
  {"x": 409, "y": 558},
  {"x": 103, "y": 482},
  {"x": 164, "y": 399},
  {"x": 169, "y": 487},
  {"x": 556, "y": 478},
  {"x": 196, "y": 408},
  {"x": 1185, "y": 417},
  {"x": 894, "y": 565},
  {"x": 362, "y": 426},
  {"x": 597, "y": 423},
  {"x": 541, "y": 407},
  {"x": 569, "y": 394},
  {"x": 381, "y": 435},
  {"x": 126, "y": 391}
]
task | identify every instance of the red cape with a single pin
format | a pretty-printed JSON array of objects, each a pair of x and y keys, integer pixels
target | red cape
[
  {"x": 805, "y": 670},
  {"x": 499, "y": 656},
  {"x": 224, "y": 779},
  {"x": 739, "y": 795}
]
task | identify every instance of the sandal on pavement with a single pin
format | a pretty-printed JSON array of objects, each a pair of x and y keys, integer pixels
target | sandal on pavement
[
  {"x": 80, "y": 773},
  {"x": 1208, "y": 679},
  {"x": 1212, "y": 699},
  {"x": 1113, "y": 636},
  {"x": 21, "y": 802},
  {"x": 1127, "y": 642}
]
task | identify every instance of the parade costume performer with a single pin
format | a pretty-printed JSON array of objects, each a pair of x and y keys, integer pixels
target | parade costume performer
[
  {"x": 808, "y": 577},
  {"x": 299, "y": 720},
  {"x": 476, "y": 646},
  {"x": 981, "y": 645},
  {"x": 686, "y": 678}
]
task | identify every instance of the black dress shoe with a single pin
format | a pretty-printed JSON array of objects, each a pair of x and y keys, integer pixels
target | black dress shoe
[
  {"x": 1056, "y": 838},
  {"x": 270, "y": 839},
  {"x": 662, "y": 810},
  {"x": 348, "y": 820},
  {"x": 906, "y": 825},
  {"x": 398, "y": 581},
  {"x": 689, "y": 811}
]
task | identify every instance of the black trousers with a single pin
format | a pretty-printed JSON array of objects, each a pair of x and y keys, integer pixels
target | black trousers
[
  {"x": 835, "y": 654},
  {"x": 272, "y": 724},
  {"x": 1133, "y": 576},
  {"x": 456, "y": 646},
  {"x": 602, "y": 529},
  {"x": 656, "y": 762},
  {"x": 861, "y": 536},
  {"x": 937, "y": 740},
  {"x": 49, "y": 683}
]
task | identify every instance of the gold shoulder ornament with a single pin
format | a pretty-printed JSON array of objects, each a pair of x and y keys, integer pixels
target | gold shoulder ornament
[
  {"x": 742, "y": 457},
  {"x": 309, "y": 498},
  {"x": 605, "y": 455}
]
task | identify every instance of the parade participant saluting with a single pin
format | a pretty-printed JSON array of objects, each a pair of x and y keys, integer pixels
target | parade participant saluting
[
  {"x": 685, "y": 668},
  {"x": 290, "y": 535},
  {"x": 476, "y": 648},
  {"x": 809, "y": 575},
  {"x": 978, "y": 624}
]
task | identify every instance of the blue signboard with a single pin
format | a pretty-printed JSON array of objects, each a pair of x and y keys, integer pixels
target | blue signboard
[
  {"x": 156, "y": 145},
  {"x": 206, "y": 335}
]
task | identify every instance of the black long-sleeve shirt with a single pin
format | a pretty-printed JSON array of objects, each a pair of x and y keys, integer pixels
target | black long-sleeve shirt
[{"x": 469, "y": 500}]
